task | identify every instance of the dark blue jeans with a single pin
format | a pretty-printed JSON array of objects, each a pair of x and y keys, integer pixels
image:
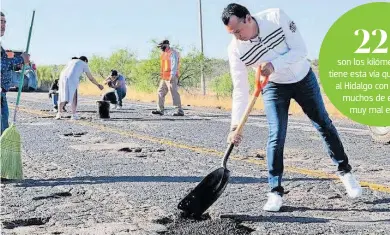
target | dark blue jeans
[
  {"x": 121, "y": 95},
  {"x": 54, "y": 98},
  {"x": 4, "y": 112},
  {"x": 307, "y": 94},
  {"x": 110, "y": 96}
]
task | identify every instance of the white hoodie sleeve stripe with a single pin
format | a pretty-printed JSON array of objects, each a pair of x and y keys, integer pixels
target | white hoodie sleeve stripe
[
  {"x": 279, "y": 42},
  {"x": 297, "y": 47},
  {"x": 240, "y": 81}
]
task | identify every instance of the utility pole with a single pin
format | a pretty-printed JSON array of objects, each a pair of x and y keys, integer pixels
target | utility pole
[{"x": 202, "y": 80}]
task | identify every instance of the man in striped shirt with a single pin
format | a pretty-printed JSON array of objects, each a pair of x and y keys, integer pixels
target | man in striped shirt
[{"x": 272, "y": 40}]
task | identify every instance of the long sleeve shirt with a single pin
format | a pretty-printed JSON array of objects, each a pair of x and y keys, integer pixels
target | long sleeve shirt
[
  {"x": 174, "y": 62},
  {"x": 6, "y": 68},
  {"x": 279, "y": 42}
]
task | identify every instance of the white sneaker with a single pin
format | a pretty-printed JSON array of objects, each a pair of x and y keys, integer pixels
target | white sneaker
[
  {"x": 119, "y": 107},
  {"x": 352, "y": 186},
  {"x": 75, "y": 117},
  {"x": 58, "y": 116},
  {"x": 115, "y": 106},
  {"x": 274, "y": 202}
]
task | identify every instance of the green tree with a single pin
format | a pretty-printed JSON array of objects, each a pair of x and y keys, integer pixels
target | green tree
[
  {"x": 222, "y": 85},
  {"x": 146, "y": 74},
  {"x": 190, "y": 69},
  {"x": 99, "y": 66},
  {"x": 124, "y": 61}
]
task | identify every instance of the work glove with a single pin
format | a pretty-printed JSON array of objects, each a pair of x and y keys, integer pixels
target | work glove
[{"x": 234, "y": 138}]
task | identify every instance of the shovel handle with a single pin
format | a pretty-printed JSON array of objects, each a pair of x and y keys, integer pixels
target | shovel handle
[{"x": 259, "y": 85}]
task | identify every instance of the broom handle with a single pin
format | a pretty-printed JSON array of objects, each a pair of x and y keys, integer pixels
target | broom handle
[
  {"x": 21, "y": 80},
  {"x": 258, "y": 88}
]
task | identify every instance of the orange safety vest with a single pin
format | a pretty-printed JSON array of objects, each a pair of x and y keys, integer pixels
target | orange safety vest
[{"x": 166, "y": 64}]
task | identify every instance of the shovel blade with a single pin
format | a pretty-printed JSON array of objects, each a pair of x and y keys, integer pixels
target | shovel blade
[{"x": 205, "y": 193}]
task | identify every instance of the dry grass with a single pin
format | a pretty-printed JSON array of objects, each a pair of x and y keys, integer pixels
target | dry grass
[{"x": 199, "y": 100}]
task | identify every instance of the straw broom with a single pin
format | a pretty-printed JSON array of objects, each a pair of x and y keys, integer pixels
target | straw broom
[{"x": 11, "y": 159}]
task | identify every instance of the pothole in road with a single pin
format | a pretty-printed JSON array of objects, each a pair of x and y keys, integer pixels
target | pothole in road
[
  {"x": 132, "y": 149},
  {"x": 164, "y": 220},
  {"x": 206, "y": 225},
  {"x": 260, "y": 154},
  {"x": 75, "y": 134},
  {"x": 25, "y": 222},
  {"x": 48, "y": 116},
  {"x": 139, "y": 150},
  {"x": 53, "y": 195}
]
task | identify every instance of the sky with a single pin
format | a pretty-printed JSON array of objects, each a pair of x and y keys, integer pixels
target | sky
[{"x": 66, "y": 28}]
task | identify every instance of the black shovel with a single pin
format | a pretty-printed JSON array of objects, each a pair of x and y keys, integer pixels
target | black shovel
[{"x": 213, "y": 185}]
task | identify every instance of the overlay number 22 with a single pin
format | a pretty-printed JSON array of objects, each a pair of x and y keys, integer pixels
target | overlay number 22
[{"x": 366, "y": 38}]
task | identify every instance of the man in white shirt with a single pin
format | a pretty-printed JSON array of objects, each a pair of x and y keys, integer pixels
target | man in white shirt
[{"x": 271, "y": 39}]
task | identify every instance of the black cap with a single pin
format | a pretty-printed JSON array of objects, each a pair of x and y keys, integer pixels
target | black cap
[
  {"x": 163, "y": 42},
  {"x": 114, "y": 73}
]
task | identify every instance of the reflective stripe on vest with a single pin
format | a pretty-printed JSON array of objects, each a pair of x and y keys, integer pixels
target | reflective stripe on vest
[{"x": 166, "y": 64}]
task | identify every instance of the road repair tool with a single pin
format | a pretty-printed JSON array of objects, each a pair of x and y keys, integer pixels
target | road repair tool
[
  {"x": 11, "y": 149},
  {"x": 213, "y": 185}
]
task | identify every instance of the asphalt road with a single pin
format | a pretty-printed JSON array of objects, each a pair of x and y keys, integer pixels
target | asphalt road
[{"x": 126, "y": 175}]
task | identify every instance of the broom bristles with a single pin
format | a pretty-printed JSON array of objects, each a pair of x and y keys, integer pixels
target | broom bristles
[{"x": 11, "y": 159}]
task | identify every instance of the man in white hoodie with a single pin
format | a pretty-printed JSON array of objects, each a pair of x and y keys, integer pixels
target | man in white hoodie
[{"x": 271, "y": 39}]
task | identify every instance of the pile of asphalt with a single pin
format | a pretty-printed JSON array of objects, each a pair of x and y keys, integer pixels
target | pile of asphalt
[{"x": 183, "y": 225}]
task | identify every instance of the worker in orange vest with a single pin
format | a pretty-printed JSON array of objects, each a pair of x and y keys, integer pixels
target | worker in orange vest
[{"x": 169, "y": 79}]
